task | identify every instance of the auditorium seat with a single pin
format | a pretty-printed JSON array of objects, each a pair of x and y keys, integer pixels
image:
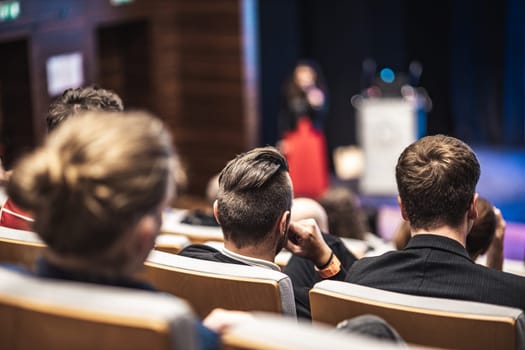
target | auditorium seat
[
  {"x": 171, "y": 224},
  {"x": 171, "y": 243},
  {"x": 19, "y": 247},
  {"x": 44, "y": 314},
  {"x": 268, "y": 332},
  {"x": 434, "y": 322},
  {"x": 207, "y": 284}
]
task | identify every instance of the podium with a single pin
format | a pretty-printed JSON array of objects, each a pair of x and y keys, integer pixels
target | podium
[{"x": 385, "y": 126}]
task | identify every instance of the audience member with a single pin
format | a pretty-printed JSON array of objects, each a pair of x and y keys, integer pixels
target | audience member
[
  {"x": 307, "y": 208},
  {"x": 253, "y": 209},
  {"x": 485, "y": 236},
  {"x": 436, "y": 178},
  {"x": 96, "y": 190},
  {"x": 345, "y": 217},
  {"x": 71, "y": 103}
]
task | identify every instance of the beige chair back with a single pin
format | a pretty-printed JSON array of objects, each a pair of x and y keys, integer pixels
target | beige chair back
[
  {"x": 37, "y": 313},
  {"x": 19, "y": 247},
  {"x": 207, "y": 284},
  {"x": 420, "y": 320},
  {"x": 268, "y": 332}
]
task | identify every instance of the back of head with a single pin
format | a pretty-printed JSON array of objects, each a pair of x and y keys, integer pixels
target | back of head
[
  {"x": 482, "y": 232},
  {"x": 436, "y": 179},
  {"x": 79, "y": 100},
  {"x": 306, "y": 208},
  {"x": 94, "y": 178},
  {"x": 254, "y": 190},
  {"x": 345, "y": 217}
]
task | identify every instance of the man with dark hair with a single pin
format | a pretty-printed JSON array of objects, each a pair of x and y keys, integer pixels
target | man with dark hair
[
  {"x": 74, "y": 101},
  {"x": 71, "y": 103},
  {"x": 436, "y": 178},
  {"x": 253, "y": 208}
]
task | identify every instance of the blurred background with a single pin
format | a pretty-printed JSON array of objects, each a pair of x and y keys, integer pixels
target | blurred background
[{"x": 214, "y": 70}]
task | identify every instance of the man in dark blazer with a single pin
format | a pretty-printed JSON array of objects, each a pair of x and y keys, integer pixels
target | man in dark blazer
[
  {"x": 253, "y": 208},
  {"x": 436, "y": 178}
]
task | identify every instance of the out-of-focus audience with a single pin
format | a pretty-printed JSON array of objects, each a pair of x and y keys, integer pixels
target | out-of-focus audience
[
  {"x": 345, "y": 217},
  {"x": 307, "y": 208}
]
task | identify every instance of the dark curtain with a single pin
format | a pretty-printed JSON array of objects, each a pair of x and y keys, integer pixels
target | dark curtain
[
  {"x": 514, "y": 77},
  {"x": 476, "y": 76}
]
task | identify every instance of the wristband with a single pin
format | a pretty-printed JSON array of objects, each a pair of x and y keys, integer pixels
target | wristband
[
  {"x": 333, "y": 268},
  {"x": 324, "y": 266}
]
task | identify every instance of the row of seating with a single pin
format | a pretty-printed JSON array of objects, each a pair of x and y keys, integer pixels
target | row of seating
[{"x": 207, "y": 285}]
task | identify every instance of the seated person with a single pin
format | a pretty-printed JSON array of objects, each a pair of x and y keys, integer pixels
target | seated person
[
  {"x": 345, "y": 216},
  {"x": 253, "y": 209},
  {"x": 96, "y": 190},
  {"x": 485, "y": 236},
  {"x": 302, "y": 271},
  {"x": 436, "y": 177},
  {"x": 307, "y": 208},
  {"x": 71, "y": 103}
]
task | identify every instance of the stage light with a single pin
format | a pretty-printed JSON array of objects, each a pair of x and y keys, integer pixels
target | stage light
[{"x": 387, "y": 75}]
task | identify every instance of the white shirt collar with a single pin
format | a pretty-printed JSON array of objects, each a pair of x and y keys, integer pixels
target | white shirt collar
[{"x": 251, "y": 261}]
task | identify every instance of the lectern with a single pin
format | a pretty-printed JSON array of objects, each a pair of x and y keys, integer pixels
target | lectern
[{"x": 385, "y": 126}]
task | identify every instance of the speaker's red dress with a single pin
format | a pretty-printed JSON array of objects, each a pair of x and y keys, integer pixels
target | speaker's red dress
[{"x": 305, "y": 151}]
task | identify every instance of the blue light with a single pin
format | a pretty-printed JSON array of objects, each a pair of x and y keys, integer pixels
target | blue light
[{"x": 387, "y": 75}]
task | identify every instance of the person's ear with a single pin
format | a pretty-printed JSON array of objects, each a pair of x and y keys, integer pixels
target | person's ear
[
  {"x": 146, "y": 234},
  {"x": 402, "y": 207},
  {"x": 216, "y": 211},
  {"x": 284, "y": 222},
  {"x": 472, "y": 212}
]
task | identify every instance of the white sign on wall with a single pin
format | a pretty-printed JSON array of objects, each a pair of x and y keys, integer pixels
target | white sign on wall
[{"x": 64, "y": 72}]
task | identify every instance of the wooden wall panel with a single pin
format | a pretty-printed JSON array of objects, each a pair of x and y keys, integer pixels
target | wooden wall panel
[
  {"x": 210, "y": 58},
  {"x": 183, "y": 60}
]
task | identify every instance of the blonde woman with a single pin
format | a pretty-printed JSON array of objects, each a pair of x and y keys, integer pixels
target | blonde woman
[{"x": 96, "y": 190}]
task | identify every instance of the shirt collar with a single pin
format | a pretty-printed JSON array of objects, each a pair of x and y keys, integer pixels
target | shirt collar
[
  {"x": 251, "y": 261},
  {"x": 429, "y": 240}
]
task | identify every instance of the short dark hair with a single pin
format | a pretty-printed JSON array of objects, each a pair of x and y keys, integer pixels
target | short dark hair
[
  {"x": 436, "y": 179},
  {"x": 254, "y": 191},
  {"x": 74, "y": 101}
]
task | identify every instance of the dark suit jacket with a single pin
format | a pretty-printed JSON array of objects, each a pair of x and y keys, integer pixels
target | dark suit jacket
[
  {"x": 437, "y": 266},
  {"x": 300, "y": 271}
]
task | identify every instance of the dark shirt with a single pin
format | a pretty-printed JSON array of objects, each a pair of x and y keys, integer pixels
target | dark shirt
[
  {"x": 303, "y": 275},
  {"x": 48, "y": 270},
  {"x": 208, "y": 340},
  {"x": 301, "y": 271},
  {"x": 437, "y": 266}
]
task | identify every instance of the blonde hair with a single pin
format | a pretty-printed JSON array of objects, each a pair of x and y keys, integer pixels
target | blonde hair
[{"x": 94, "y": 178}]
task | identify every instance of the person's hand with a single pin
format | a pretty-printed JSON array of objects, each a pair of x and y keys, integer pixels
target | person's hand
[
  {"x": 305, "y": 240},
  {"x": 495, "y": 252},
  {"x": 315, "y": 97},
  {"x": 220, "y": 320}
]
